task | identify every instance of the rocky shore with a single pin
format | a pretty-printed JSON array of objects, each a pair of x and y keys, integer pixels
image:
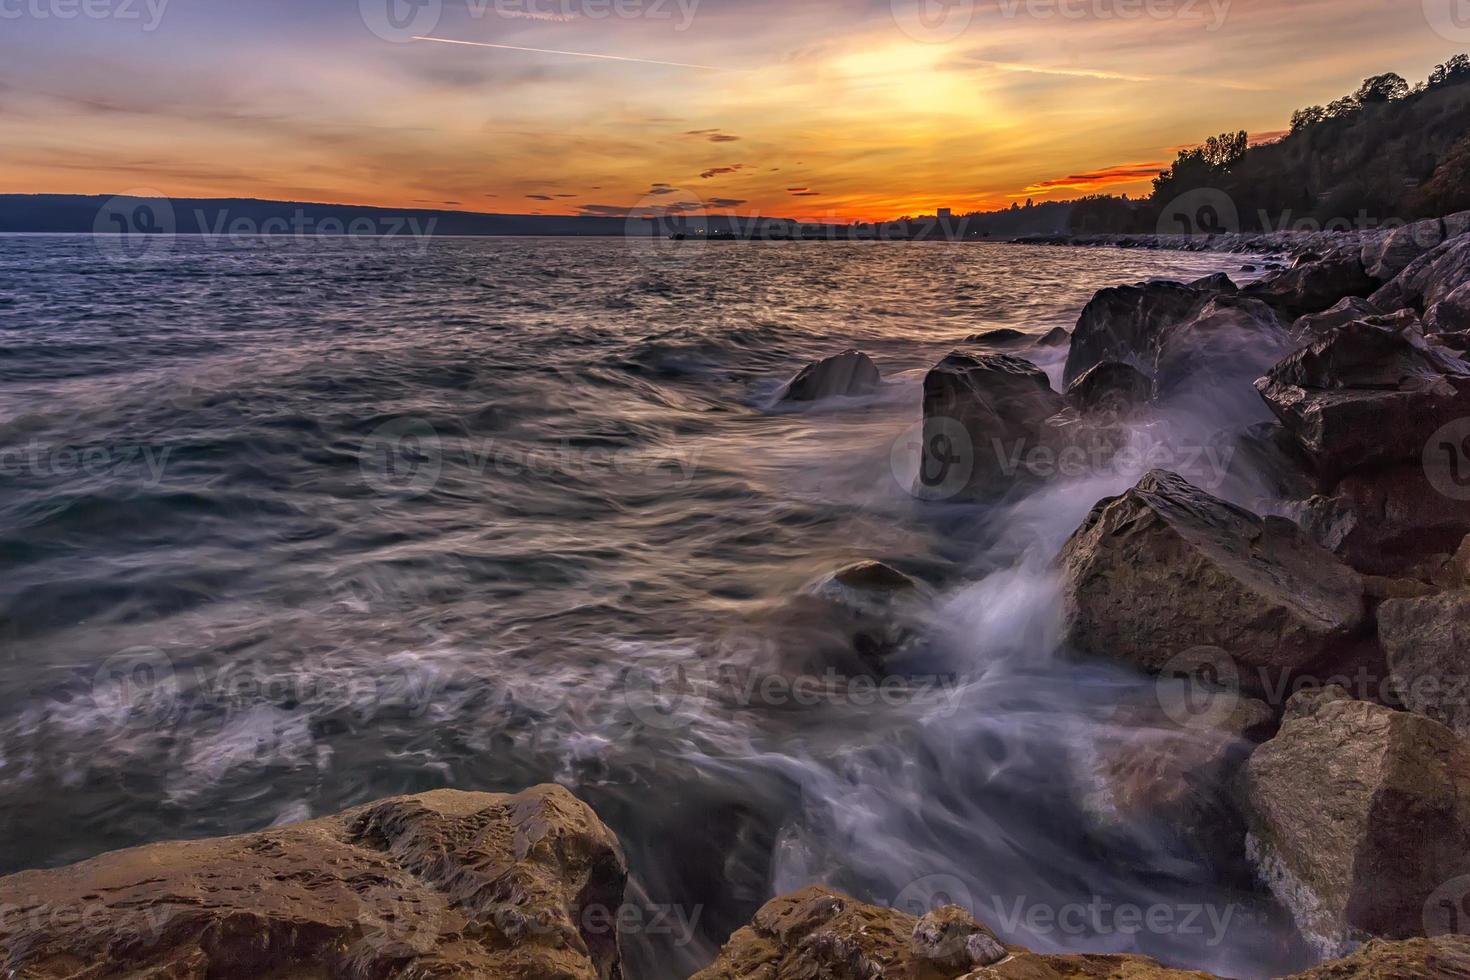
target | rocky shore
[{"x": 1336, "y": 547}]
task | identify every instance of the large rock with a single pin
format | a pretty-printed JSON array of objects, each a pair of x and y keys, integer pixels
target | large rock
[
  {"x": 1427, "y": 641},
  {"x": 849, "y": 373},
  {"x": 1451, "y": 315},
  {"x": 1055, "y": 337},
  {"x": 1429, "y": 279},
  {"x": 1123, "y": 323},
  {"x": 1219, "y": 351},
  {"x": 1386, "y": 521},
  {"x": 444, "y": 884},
  {"x": 1313, "y": 286},
  {"x": 982, "y": 415},
  {"x": 1385, "y": 256},
  {"x": 1315, "y": 325},
  {"x": 999, "y": 337},
  {"x": 1370, "y": 393},
  {"x": 1357, "y": 814},
  {"x": 1111, "y": 388},
  {"x": 819, "y": 934},
  {"x": 1166, "y": 568},
  {"x": 1444, "y": 957}
]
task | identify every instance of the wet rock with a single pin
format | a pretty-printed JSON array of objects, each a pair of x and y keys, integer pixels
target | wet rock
[
  {"x": 1123, "y": 323},
  {"x": 444, "y": 884},
  {"x": 849, "y": 373},
  {"x": 1371, "y": 393},
  {"x": 1166, "y": 567},
  {"x": 982, "y": 414},
  {"x": 1387, "y": 521},
  {"x": 1219, "y": 351},
  {"x": 1111, "y": 388},
  {"x": 1429, "y": 279},
  {"x": 1055, "y": 337},
  {"x": 1266, "y": 461},
  {"x": 1000, "y": 337},
  {"x": 878, "y": 608},
  {"x": 1427, "y": 641},
  {"x": 1356, "y": 815},
  {"x": 1313, "y": 286},
  {"x": 1315, "y": 325},
  {"x": 1445, "y": 957},
  {"x": 819, "y": 934},
  {"x": 1218, "y": 282}
]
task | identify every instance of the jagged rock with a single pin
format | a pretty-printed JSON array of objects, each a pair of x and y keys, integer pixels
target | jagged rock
[
  {"x": 1218, "y": 282},
  {"x": 1123, "y": 323},
  {"x": 1429, "y": 279},
  {"x": 1055, "y": 337},
  {"x": 1357, "y": 814},
  {"x": 444, "y": 884},
  {"x": 1386, "y": 256},
  {"x": 982, "y": 414},
  {"x": 1111, "y": 388},
  {"x": 1219, "y": 350},
  {"x": 819, "y": 934},
  {"x": 1444, "y": 957},
  {"x": 1427, "y": 641},
  {"x": 1451, "y": 316},
  {"x": 849, "y": 373},
  {"x": 1166, "y": 567},
  {"x": 1000, "y": 337},
  {"x": 1370, "y": 393},
  {"x": 1386, "y": 521},
  {"x": 1315, "y": 325},
  {"x": 1313, "y": 286}
]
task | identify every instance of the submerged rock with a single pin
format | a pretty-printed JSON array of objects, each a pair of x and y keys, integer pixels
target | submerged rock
[
  {"x": 879, "y": 608},
  {"x": 445, "y": 884},
  {"x": 1357, "y": 815},
  {"x": 849, "y": 373},
  {"x": 1166, "y": 568},
  {"x": 1055, "y": 337},
  {"x": 982, "y": 414},
  {"x": 1427, "y": 641},
  {"x": 1370, "y": 393},
  {"x": 999, "y": 337}
]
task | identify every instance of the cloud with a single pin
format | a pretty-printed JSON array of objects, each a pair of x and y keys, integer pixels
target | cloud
[
  {"x": 538, "y": 197},
  {"x": 1123, "y": 173},
  {"x": 713, "y": 135},
  {"x": 803, "y": 192},
  {"x": 717, "y": 171},
  {"x": 662, "y": 189},
  {"x": 726, "y": 202}
]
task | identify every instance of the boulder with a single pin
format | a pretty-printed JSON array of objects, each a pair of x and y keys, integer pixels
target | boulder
[
  {"x": 1427, "y": 641},
  {"x": 1111, "y": 388},
  {"x": 1123, "y": 323},
  {"x": 1444, "y": 957},
  {"x": 445, "y": 884},
  {"x": 1218, "y": 351},
  {"x": 1371, "y": 393},
  {"x": 1385, "y": 256},
  {"x": 1000, "y": 337},
  {"x": 1387, "y": 521},
  {"x": 1314, "y": 325},
  {"x": 1055, "y": 337},
  {"x": 849, "y": 373},
  {"x": 1218, "y": 282},
  {"x": 1357, "y": 814},
  {"x": 1451, "y": 315},
  {"x": 1166, "y": 568},
  {"x": 1428, "y": 280},
  {"x": 820, "y": 934},
  {"x": 1313, "y": 286},
  {"x": 982, "y": 414}
]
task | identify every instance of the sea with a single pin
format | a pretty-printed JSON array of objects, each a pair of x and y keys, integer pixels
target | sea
[{"x": 289, "y": 525}]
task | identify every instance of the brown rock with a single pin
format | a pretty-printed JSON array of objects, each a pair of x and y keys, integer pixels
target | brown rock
[
  {"x": 982, "y": 415},
  {"x": 1429, "y": 279},
  {"x": 1166, "y": 567},
  {"x": 1110, "y": 388},
  {"x": 1357, "y": 814},
  {"x": 1427, "y": 641},
  {"x": 1055, "y": 337},
  {"x": 849, "y": 373},
  {"x": 1369, "y": 394},
  {"x": 999, "y": 337},
  {"x": 1384, "y": 257},
  {"x": 1440, "y": 958},
  {"x": 1387, "y": 521},
  {"x": 1313, "y": 286},
  {"x": 1315, "y": 325},
  {"x": 444, "y": 884},
  {"x": 1123, "y": 323}
]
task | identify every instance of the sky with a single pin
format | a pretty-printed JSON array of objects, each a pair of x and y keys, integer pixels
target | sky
[{"x": 813, "y": 109}]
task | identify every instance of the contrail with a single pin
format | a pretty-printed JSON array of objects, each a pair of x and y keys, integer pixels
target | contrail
[{"x": 574, "y": 54}]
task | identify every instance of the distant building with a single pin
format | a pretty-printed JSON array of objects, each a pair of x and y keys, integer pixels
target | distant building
[{"x": 945, "y": 214}]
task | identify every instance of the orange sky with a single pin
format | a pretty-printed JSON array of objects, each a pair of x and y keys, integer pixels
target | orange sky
[{"x": 831, "y": 109}]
